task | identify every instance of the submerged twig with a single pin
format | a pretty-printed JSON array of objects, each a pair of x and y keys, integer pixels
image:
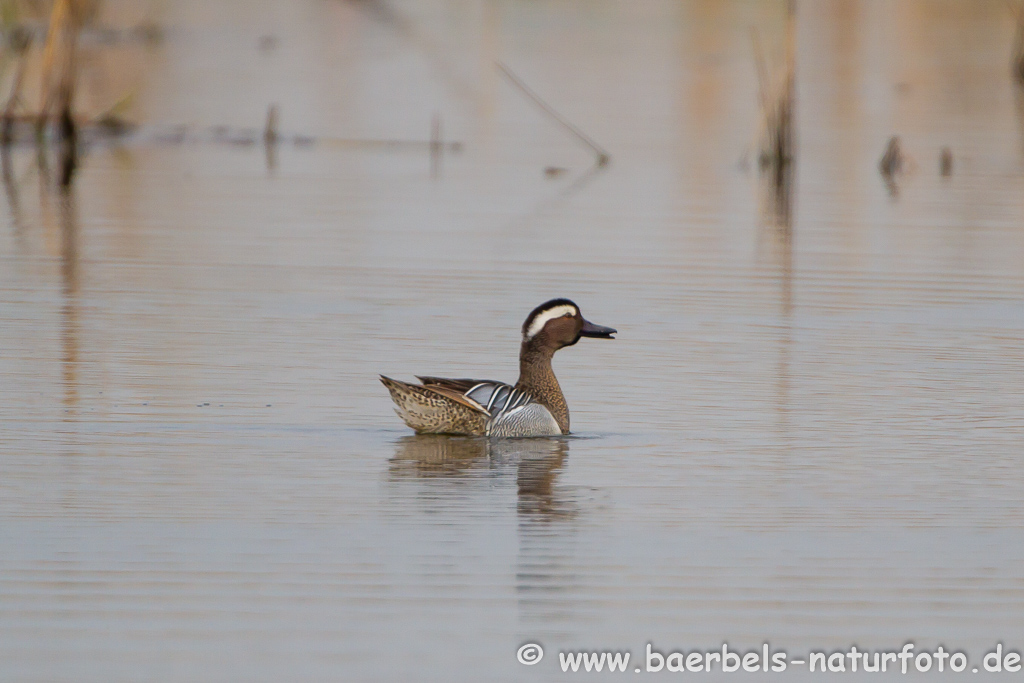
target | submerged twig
[
  {"x": 599, "y": 152},
  {"x": 946, "y": 162},
  {"x": 270, "y": 130},
  {"x": 270, "y": 138},
  {"x": 436, "y": 146},
  {"x": 891, "y": 164}
]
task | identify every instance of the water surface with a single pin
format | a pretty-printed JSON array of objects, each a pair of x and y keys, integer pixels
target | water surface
[{"x": 808, "y": 431}]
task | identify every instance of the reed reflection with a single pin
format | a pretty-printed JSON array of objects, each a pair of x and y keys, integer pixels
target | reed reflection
[
  {"x": 12, "y": 194},
  {"x": 777, "y": 229},
  {"x": 69, "y": 312},
  {"x": 59, "y": 215},
  {"x": 552, "y": 202}
]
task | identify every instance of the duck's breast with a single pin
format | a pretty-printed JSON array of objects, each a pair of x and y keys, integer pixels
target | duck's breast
[{"x": 531, "y": 419}]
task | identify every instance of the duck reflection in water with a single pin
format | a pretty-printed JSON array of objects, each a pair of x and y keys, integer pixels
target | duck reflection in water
[{"x": 536, "y": 464}]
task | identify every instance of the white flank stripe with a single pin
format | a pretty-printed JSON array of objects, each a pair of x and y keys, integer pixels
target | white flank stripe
[{"x": 513, "y": 412}]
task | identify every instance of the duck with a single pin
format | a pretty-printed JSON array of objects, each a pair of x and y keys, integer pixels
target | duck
[{"x": 533, "y": 406}]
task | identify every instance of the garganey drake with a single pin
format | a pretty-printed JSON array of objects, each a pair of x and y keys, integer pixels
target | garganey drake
[{"x": 535, "y": 406}]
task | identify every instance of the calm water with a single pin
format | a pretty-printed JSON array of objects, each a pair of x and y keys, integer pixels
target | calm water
[{"x": 812, "y": 440}]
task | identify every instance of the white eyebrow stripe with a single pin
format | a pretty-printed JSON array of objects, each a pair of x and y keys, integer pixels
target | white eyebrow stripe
[{"x": 542, "y": 319}]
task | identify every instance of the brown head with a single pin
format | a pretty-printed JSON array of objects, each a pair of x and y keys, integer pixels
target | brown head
[{"x": 559, "y": 323}]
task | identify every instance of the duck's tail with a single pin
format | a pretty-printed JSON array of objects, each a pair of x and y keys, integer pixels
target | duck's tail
[{"x": 429, "y": 412}]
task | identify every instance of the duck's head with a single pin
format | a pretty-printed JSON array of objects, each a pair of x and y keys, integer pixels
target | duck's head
[{"x": 558, "y": 323}]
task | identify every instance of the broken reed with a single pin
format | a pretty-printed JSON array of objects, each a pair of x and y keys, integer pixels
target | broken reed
[{"x": 601, "y": 157}]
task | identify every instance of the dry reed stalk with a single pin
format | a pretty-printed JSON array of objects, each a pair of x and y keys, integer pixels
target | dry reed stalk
[
  {"x": 21, "y": 46},
  {"x": 778, "y": 104},
  {"x": 60, "y": 66},
  {"x": 1017, "y": 63}
]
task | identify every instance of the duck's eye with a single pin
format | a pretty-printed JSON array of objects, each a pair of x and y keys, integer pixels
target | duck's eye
[{"x": 567, "y": 315}]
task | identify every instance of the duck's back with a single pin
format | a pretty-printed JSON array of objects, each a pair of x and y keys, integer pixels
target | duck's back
[{"x": 513, "y": 411}]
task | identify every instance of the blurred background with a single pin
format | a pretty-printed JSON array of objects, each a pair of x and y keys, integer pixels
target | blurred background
[{"x": 221, "y": 220}]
